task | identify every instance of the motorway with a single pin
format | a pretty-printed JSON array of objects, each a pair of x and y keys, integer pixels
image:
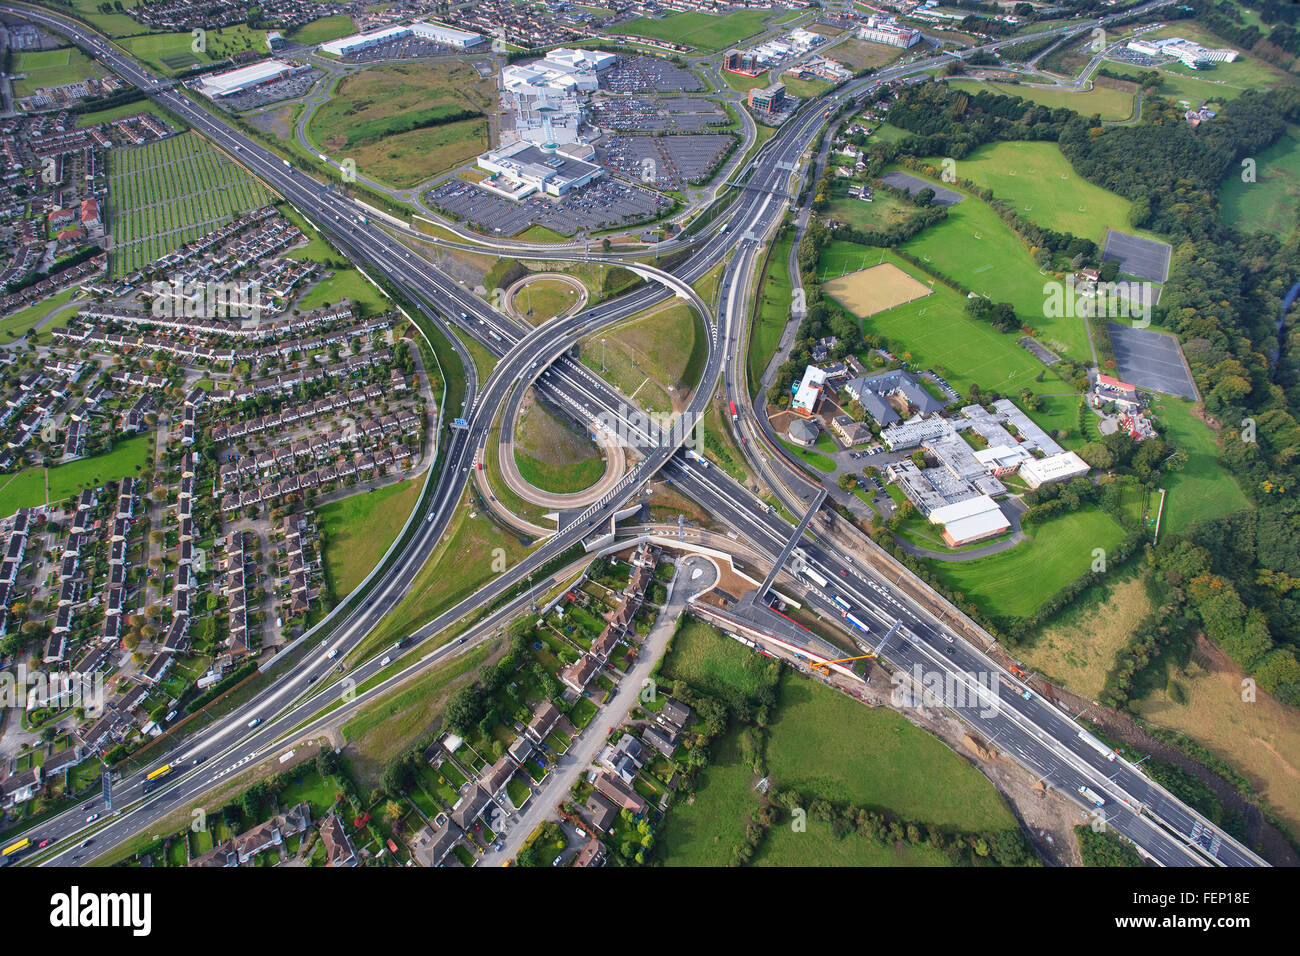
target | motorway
[{"x": 1040, "y": 737}]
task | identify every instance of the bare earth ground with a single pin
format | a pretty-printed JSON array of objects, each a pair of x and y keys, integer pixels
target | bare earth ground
[{"x": 873, "y": 290}]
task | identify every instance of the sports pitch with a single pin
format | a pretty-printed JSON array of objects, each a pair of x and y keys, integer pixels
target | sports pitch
[{"x": 881, "y": 287}]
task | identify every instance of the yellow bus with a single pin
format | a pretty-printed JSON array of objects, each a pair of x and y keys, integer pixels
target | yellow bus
[
  {"x": 18, "y": 847},
  {"x": 160, "y": 772}
]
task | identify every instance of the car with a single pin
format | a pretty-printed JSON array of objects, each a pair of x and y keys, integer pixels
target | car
[
  {"x": 92, "y": 818},
  {"x": 430, "y": 518},
  {"x": 461, "y": 641},
  {"x": 44, "y": 843},
  {"x": 87, "y": 842},
  {"x": 334, "y": 652},
  {"x": 313, "y": 678},
  {"x": 385, "y": 661},
  {"x": 948, "y": 638},
  {"x": 843, "y": 572},
  {"x": 198, "y": 760},
  {"x": 950, "y": 650},
  {"x": 254, "y": 722}
]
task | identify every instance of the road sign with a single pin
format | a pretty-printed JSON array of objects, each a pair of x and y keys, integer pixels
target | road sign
[{"x": 459, "y": 423}]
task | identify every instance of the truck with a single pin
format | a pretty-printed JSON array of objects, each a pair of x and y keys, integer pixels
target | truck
[
  {"x": 840, "y": 603},
  {"x": 695, "y": 456},
  {"x": 813, "y": 576},
  {"x": 734, "y": 415},
  {"x": 1092, "y": 796},
  {"x": 856, "y": 623},
  {"x": 1096, "y": 745}
]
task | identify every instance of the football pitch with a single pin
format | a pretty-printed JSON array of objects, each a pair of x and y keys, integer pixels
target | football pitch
[{"x": 934, "y": 331}]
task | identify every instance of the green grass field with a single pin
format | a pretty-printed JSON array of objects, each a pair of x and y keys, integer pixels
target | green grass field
[
  {"x": 553, "y": 454},
  {"x": 463, "y": 562},
  {"x": 1110, "y": 104},
  {"x": 1039, "y": 182},
  {"x": 825, "y": 743},
  {"x": 706, "y": 32},
  {"x": 26, "y": 489},
  {"x": 19, "y": 323},
  {"x": 773, "y": 303},
  {"x": 174, "y": 53},
  {"x": 371, "y": 116},
  {"x": 977, "y": 249},
  {"x": 1204, "y": 488},
  {"x": 358, "y": 530},
  {"x": 659, "y": 358},
  {"x": 881, "y": 213},
  {"x": 323, "y": 30},
  {"x": 1015, "y": 583},
  {"x": 112, "y": 24},
  {"x": 817, "y": 846},
  {"x": 936, "y": 330},
  {"x": 171, "y": 192},
  {"x": 48, "y": 68},
  {"x": 1272, "y": 202},
  {"x": 714, "y": 664}
]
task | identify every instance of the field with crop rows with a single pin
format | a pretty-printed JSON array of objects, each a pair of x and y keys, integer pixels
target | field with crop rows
[{"x": 171, "y": 192}]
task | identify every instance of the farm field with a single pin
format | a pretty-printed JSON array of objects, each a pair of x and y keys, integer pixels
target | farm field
[
  {"x": 170, "y": 192},
  {"x": 46, "y": 68},
  {"x": 397, "y": 121},
  {"x": 358, "y": 530},
  {"x": 936, "y": 332},
  {"x": 1017, "y": 582},
  {"x": 1110, "y": 104},
  {"x": 26, "y": 489},
  {"x": 1272, "y": 202},
  {"x": 1039, "y": 182},
  {"x": 706, "y": 32},
  {"x": 1204, "y": 488},
  {"x": 977, "y": 249}
]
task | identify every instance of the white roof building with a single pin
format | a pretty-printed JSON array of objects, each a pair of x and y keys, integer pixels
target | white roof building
[
  {"x": 1040, "y": 471},
  {"x": 244, "y": 78},
  {"x": 809, "y": 391},
  {"x": 970, "y": 520}
]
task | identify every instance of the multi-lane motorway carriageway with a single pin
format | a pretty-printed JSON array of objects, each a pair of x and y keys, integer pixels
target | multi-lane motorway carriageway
[{"x": 1041, "y": 738}]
